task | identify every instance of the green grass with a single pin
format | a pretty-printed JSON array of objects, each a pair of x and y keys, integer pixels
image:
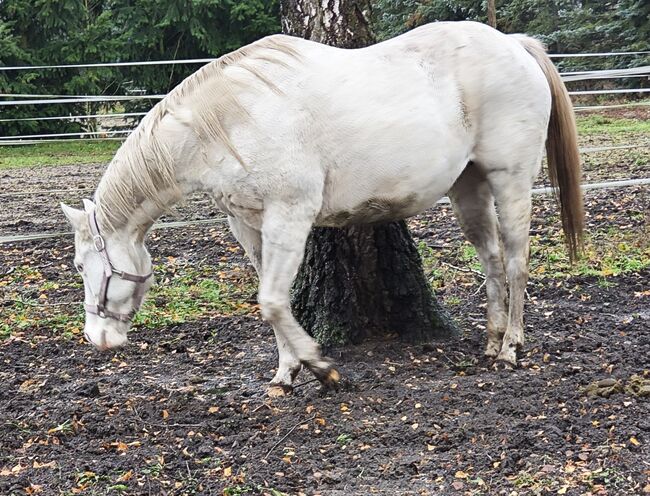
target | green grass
[
  {"x": 607, "y": 253},
  {"x": 182, "y": 294},
  {"x": 599, "y": 124},
  {"x": 48, "y": 154}
]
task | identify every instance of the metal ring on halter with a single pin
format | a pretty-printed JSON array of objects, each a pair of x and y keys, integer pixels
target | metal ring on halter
[{"x": 99, "y": 308}]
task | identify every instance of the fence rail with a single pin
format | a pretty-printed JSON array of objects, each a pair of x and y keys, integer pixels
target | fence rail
[
  {"x": 206, "y": 60},
  {"x": 17, "y": 238},
  {"x": 24, "y": 99}
]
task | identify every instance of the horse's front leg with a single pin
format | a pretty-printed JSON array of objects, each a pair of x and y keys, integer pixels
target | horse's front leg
[
  {"x": 284, "y": 234},
  {"x": 288, "y": 364}
]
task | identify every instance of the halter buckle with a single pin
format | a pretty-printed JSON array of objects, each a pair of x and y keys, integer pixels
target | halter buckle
[{"x": 99, "y": 243}]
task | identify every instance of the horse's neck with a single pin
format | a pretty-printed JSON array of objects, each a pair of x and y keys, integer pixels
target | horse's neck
[
  {"x": 136, "y": 215},
  {"x": 142, "y": 182}
]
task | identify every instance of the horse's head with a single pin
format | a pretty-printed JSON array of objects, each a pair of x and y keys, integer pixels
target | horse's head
[{"x": 116, "y": 270}]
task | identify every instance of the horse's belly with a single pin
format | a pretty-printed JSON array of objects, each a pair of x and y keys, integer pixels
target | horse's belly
[
  {"x": 374, "y": 210},
  {"x": 393, "y": 197}
]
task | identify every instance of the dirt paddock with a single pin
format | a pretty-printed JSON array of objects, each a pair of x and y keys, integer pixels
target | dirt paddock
[{"x": 182, "y": 409}]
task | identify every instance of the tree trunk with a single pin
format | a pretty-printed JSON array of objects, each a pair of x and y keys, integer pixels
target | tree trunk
[
  {"x": 492, "y": 13},
  {"x": 359, "y": 281}
]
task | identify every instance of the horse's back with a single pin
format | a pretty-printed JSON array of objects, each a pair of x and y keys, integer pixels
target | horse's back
[{"x": 389, "y": 128}]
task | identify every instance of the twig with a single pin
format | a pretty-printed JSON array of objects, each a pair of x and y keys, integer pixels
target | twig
[
  {"x": 262, "y": 406},
  {"x": 37, "y": 305},
  {"x": 479, "y": 288},
  {"x": 305, "y": 383},
  {"x": 465, "y": 269},
  {"x": 288, "y": 434}
]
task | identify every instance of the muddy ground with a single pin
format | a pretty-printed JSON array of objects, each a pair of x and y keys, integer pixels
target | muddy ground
[{"x": 182, "y": 410}]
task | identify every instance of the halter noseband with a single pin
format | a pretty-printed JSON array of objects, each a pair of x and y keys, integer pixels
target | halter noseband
[{"x": 100, "y": 308}]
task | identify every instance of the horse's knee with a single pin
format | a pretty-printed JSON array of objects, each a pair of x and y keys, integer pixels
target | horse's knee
[{"x": 272, "y": 309}]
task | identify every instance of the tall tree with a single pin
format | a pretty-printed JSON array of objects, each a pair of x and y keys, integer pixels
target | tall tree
[{"x": 362, "y": 280}]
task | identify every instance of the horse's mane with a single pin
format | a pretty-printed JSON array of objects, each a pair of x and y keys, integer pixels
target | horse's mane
[{"x": 143, "y": 168}]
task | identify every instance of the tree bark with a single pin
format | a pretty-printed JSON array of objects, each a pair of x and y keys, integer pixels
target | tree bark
[
  {"x": 359, "y": 281},
  {"x": 492, "y": 13}
]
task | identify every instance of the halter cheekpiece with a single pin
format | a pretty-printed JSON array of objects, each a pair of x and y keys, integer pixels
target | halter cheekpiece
[{"x": 100, "y": 309}]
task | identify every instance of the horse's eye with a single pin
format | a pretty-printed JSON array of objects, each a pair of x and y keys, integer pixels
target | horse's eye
[{"x": 79, "y": 267}]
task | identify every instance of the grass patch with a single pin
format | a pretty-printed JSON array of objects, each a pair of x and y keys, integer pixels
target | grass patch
[
  {"x": 600, "y": 124},
  {"x": 608, "y": 253},
  {"x": 61, "y": 153},
  {"x": 181, "y": 294}
]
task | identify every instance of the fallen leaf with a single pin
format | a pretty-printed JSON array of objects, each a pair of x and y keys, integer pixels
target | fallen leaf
[
  {"x": 126, "y": 476},
  {"x": 461, "y": 475},
  {"x": 120, "y": 446},
  {"x": 635, "y": 441}
]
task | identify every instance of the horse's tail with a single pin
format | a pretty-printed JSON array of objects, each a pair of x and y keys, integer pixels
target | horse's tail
[{"x": 561, "y": 149}]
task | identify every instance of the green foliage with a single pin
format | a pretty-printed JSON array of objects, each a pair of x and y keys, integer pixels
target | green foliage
[
  {"x": 564, "y": 25},
  {"x": 43, "y": 32}
]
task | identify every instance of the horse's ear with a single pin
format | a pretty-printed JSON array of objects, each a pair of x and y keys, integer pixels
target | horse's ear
[
  {"x": 89, "y": 206},
  {"x": 75, "y": 216}
]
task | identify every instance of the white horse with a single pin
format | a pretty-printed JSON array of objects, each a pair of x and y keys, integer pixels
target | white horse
[{"x": 286, "y": 134}]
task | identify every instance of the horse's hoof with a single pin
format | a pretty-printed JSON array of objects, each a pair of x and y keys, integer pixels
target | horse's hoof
[
  {"x": 279, "y": 390},
  {"x": 503, "y": 365},
  {"x": 328, "y": 376},
  {"x": 491, "y": 352}
]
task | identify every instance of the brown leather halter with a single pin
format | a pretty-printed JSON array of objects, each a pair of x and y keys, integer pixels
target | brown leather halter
[{"x": 100, "y": 308}]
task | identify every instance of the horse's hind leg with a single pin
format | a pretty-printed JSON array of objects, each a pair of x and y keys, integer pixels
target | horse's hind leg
[
  {"x": 512, "y": 191},
  {"x": 284, "y": 234},
  {"x": 288, "y": 364},
  {"x": 474, "y": 207}
]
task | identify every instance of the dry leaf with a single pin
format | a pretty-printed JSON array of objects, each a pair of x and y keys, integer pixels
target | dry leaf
[
  {"x": 213, "y": 409},
  {"x": 461, "y": 475},
  {"x": 126, "y": 476}
]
